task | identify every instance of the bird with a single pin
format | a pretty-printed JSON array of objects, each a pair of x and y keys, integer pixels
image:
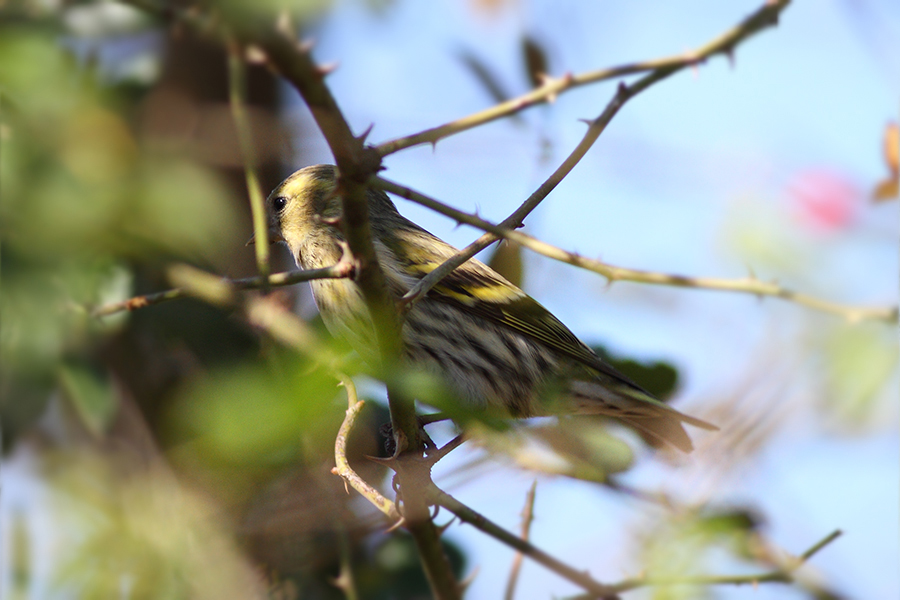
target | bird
[{"x": 494, "y": 346}]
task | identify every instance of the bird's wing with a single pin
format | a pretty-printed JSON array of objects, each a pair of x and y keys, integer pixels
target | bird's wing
[{"x": 478, "y": 289}]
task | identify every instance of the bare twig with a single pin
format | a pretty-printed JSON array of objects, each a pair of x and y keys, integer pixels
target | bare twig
[
  {"x": 342, "y": 466},
  {"x": 748, "y": 285},
  {"x": 515, "y": 220},
  {"x": 482, "y": 523},
  {"x": 764, "y": 17},
  {"x": 527, "y": 518},
  {"x": 782, "y": 575},
  {"x": 342, "y": 269},
  {"x": 237, "y": 93}
]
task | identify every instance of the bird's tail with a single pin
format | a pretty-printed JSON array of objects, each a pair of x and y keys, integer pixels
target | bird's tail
[{"x": 656, "y": 422}]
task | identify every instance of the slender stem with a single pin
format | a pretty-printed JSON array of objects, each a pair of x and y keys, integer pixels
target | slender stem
[
  {"x": 596, "y": 127},
  {"x": 237, "y": 93},
  {"x": 782, "y": 575},
  {"x": 341, "y": 270},
  {"x": 764, "y": 17},
  {"x": 342, "y": 466},
  {"x": 487, "y": 526},
  {"x": 527, "y": 519},
  {"x": 749, "y": 285}
]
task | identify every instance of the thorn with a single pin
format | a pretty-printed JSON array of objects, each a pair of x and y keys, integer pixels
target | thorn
[
  {"x": 362, "y": 137},
  {"x": 752, "y": 273},
  {"x": 623, "y": 89},
  {"x": 434, "y": 146},
  {"x": 255, "y": 55},
  {"x": 587, "y": 122},
  {"x": 729, "y": 54},
  {"x": 436, "y": 512},
  {"x": 396, "y": 526},
  {"x": 387, "y": 462},
  {"x": 306, "y": 45},
  {"x": 442, "y": 528},
  {"x": 323, "y": 71},
  {"x": 468, "y": 580}
]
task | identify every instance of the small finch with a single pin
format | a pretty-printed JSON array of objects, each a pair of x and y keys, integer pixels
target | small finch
[{"x": 494, "y": 345}]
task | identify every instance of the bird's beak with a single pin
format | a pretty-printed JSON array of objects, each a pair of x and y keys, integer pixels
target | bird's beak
[{"x": 274, "y": 238}]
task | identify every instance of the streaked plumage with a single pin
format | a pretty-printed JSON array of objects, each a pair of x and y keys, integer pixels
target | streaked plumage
[{"x": 494, "y": 344}]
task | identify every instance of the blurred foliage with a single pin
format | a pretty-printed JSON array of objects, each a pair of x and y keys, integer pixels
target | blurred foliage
[
  {"x": 193, "y": 457},
  {"x": 581, "y": 448},
  {"x": 681, "y": 545},
  {"x": 143, "y": 536},
  {"x": 80, "y": 201},
  {"x": 657, "y": 377},
  {"x": 860, "y": 362}
]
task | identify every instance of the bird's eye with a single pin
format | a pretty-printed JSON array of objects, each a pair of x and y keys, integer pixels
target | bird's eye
[{"x": 279, "y": 203}]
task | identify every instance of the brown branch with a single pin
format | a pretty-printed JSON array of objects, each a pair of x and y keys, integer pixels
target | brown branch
[
  {"x": 342, "y": 466},
  {"x": 341, "y": 270},
  {"x": 764, "y": 17},
  {"x": 748, "y": 285},
  {"x": 515, "y": 220},
  {"x": 485, "y": 525},
  {"x": 356, "y": 164},
  {"x": 527, "y": 518}
]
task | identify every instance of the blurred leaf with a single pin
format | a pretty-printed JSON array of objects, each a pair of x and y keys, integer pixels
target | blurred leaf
[
  {"x": 260, "y": 414},
  {"x": 761, "y": 236},
  {"x": 535, "y": 61},
  {"x": 142, "y": 536},
  {"x": 577, "y": 448},
  {"x": 887, "y": 189},
  {"x": 19, "y": 556},
  {"x": 892, "y": 148},
  {"x": 688, "y": 543},
  {"x": 860, "y": 360},
  {"x": 657, "y": 377},
  {"x": 92, "y": 396},
  {"x": 430, "y": 389},
  {"x": 483, "y": 74},
  {"x": 507, "y": 260},
  {"x": 393, "y": 570}
]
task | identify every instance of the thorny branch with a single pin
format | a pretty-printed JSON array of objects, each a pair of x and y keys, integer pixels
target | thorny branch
[
  {"x": 515, "y": 220},
  {"x": 341, "y": 270},
  {"x": 766, "y": 16},
  {"x": 749, "y": 285},
  {"x": 356, "y": 163},
  {"x": 482, "y": 523},
  {"x": 342, "y": 466}
]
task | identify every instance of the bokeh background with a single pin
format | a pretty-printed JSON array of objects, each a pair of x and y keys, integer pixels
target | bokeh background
[{"x": 148, "y": 453}]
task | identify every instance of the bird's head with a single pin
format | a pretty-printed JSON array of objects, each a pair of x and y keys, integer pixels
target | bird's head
[{"x": 302, "y": 212}]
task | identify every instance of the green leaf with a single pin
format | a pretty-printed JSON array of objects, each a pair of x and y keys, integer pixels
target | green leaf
[{"x": 91, "y": 395}]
